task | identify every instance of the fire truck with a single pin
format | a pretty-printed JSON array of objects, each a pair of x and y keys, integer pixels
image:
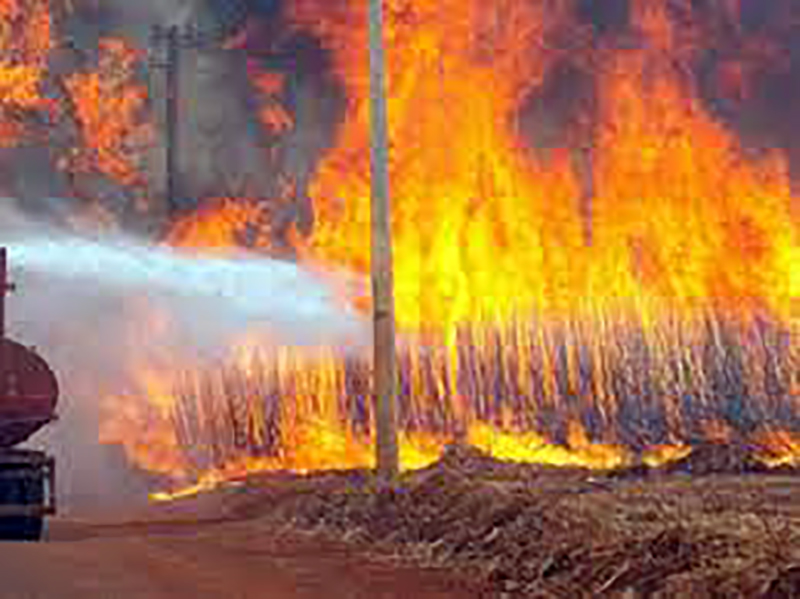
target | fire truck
[{"x": 28, "y": 398}]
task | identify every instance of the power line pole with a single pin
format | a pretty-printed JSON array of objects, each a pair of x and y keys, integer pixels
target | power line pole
[
  {"x": 173, "y": 49},
  {"x": 384, "y": 350},
  {"x": 165, "y": 88},
  {"x": 171, "y": 132}
]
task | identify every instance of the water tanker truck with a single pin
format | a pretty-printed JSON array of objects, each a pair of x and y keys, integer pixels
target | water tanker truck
[{"x": 28, "y": 397}]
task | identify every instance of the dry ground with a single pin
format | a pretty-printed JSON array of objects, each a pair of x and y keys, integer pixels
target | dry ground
[
  {"x": 701, "y": 528},
  {"x": 466, "y": 527},
  {"x": 186, "y": 559}
]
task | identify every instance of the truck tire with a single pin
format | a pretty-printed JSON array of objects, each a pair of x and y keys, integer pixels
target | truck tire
[
  {"x": 27, "y": 491},
  {"x": 21, "y": 528}
]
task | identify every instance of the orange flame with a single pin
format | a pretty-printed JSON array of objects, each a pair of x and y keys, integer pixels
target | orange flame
[
  {"x": 273, "y": 115},
  {"x": 483, "y": 231},
  {"x": 780, "y": 448},
  {"x": 662, "y": 218},
  {"x": 459, "y": 173},
  {"x": 681, "y": 213},
  {"x": 222, "y": 224},
  {"x": 109, "y": 106},
  {"x": 25, "y": 42}
]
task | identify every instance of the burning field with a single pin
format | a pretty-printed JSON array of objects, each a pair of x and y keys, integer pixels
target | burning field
[
  {"x": 595, "y": 224},
  {"x": 595, "y": 229},
  {"x": 594, "y": 266}
]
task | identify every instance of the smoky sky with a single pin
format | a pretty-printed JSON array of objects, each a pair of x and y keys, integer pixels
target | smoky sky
[
  {"x": 757, "y": 34},
  {"x": 759, "y": 40},
  {"x": 227, "y": 152},
  {"x": 767, "y": 43}
]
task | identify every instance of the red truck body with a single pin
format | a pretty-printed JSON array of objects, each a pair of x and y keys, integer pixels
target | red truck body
[{"x": 28, "y": 399}]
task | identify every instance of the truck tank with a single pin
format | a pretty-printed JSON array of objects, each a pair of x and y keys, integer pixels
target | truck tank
[
  {"x": 28, "y": 399},
  {"x": 28, "y": 393}
]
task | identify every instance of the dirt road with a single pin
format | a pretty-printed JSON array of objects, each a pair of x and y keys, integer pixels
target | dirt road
[{"x": 181, "y": 561}]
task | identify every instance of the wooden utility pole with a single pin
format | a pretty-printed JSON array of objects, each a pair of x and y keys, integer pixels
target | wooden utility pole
[{"x": 384, "y": 366}]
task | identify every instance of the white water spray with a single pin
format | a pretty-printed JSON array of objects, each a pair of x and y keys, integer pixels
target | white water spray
[
  {"x": 208, "y": 296},
  {"x": 95, "y": 307}
]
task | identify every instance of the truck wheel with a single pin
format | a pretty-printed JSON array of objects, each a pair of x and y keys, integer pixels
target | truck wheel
[
  {"x": 22, "y": 528},
  {"x": 28, "y": 491}
]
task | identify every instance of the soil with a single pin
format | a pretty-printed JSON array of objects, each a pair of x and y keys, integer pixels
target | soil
[
  {"x": 712, "y": 525},
  {"x": 166, "y": 558}
]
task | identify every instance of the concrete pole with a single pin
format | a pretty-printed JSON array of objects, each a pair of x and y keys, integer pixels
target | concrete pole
[
  {"x": 171, "y": 132},
  {"x": 165, "y": 93},
  {"x": 385, "y": 373},
  {"x": 4, "y": 289}
]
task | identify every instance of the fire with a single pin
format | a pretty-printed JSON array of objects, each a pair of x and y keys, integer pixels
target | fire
[
  {"x": 531, "y": 447},
  {"x": 273, "y": 115},
  {"x": 155, "y": 446},
  {"x": 593, "y": 304},
  {"x": 681, "y": 213},
  {"x": 146, "y": 429},
  {"x": 779, "y": 448},
  {"x": 223, "y": 224},
  {"x": 109, "y": 107},
  {"x": 648, "y": 272},
  {"x": 484, "y": 231},
  {"x": 25, "y": 42},
  {"x": 504, "y": 392},
  {"x": 468, "y": 246}
]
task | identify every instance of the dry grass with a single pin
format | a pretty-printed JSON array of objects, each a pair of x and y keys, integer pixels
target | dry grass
[
  {"x": 622, "y": 382},
  {"x": 525, "y": 531},
  {"x": 713, "y": 525}
]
